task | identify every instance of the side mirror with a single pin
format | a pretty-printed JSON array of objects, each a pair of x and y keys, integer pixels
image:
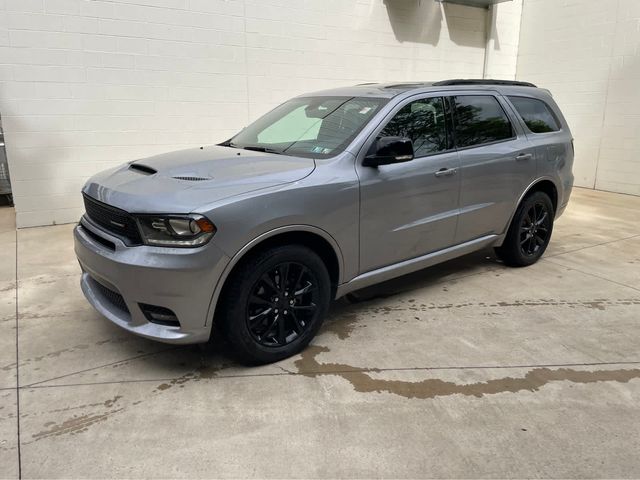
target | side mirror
[{"x": 387, "y": 150}]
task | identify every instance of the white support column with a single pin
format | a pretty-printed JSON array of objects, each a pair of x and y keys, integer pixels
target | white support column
[{"x": 502, "y": 39}]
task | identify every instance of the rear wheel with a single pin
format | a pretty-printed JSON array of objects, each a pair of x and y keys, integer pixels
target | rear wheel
[
  {"x": 530, "y": 231},
  {"x": 275, "y": 303}
]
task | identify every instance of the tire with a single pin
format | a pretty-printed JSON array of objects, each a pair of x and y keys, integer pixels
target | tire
[
  {"x": 267, "y": 320},
  {"x": 526, "y": 241}
]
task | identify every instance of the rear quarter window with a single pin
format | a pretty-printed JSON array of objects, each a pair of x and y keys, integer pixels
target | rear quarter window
[{"x": 536, "y": 114}]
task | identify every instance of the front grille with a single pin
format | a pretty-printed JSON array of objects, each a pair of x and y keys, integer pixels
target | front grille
[
  {"x": 97, "y": 238},
  {"x": 114, "y": 298},
  {"x": 113, "y": 220}
]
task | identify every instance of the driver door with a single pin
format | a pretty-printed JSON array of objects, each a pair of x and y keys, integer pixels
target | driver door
[{"x": 410, "y": 209}]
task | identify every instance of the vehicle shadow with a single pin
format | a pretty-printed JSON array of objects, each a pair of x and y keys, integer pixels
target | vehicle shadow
[
  {"x": 343, "y": 312},
  {"x": 460, "y": 267},
  {"x": 217, "y": 355}
]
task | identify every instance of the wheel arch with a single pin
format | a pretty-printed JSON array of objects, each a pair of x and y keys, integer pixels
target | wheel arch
[
  {"x": 313, "y": 237},
  {"x": 544, "y": 184}
]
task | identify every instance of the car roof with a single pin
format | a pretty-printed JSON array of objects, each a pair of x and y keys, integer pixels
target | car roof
[{"x": 393, "y": 89}]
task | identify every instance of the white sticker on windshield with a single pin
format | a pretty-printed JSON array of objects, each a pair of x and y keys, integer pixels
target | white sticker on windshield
[
  {"x": 321, "y": 150},
  {"x": 365, "y": 110}
]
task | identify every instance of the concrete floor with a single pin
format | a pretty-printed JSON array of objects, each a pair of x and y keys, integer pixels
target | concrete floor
[{"x": 469, "y": 369}]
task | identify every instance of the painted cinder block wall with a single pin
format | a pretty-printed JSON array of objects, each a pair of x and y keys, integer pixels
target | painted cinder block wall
[
  {"x": 89, "y": 84},
  {"x": 587, "y": 52}
]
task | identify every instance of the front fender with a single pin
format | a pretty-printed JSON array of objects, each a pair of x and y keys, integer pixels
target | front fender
[{"x": 240, "y": 254}]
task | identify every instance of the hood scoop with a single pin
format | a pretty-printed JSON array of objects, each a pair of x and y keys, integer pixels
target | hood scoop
[
  {"x": 145, "y": 170},
  {"x": 191, "y": 178}
]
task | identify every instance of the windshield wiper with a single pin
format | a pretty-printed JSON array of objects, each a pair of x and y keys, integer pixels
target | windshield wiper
[{"x": 257, "y": 148}]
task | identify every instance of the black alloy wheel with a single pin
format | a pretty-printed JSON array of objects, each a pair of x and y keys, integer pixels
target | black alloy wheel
[
  {"x": 534, "y": 229},
  {"x": 530, "y": 231},
  {"x": 274, "y": 303},
  {"x": 282, "y": 304}
]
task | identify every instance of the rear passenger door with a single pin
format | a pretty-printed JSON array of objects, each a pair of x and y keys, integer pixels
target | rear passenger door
[
  {"x": 496, "y": 163},
  {"x": 551, "y": 143}
]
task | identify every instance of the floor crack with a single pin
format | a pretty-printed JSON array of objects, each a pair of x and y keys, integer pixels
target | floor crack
[
  {"x": 592, "y": 246},
  {"x": 591, "y": 274},
  {"x": 17, "y": 367}
]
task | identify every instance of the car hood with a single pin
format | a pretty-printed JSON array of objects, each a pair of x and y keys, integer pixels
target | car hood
[{"x": 182, "y": 181}]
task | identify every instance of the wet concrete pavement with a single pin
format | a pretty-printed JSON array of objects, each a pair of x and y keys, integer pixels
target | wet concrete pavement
[{"x": 467, "y": 369}]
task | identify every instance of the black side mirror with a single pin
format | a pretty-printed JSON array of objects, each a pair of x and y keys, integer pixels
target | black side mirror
[{"x": 388, "y": 150}]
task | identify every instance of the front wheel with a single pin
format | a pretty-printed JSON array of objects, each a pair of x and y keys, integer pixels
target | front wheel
[
  {"x": 530, "y": 231},
  {"x": 275, "y": 303}
]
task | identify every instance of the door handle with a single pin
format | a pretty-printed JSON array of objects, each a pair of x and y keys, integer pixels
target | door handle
[
  {"x": 524, "y": 156},
  {"x": 445, "y": 172}
]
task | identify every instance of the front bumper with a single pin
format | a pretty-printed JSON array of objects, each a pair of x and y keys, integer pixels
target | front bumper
[{"x": 117, "y": 280}]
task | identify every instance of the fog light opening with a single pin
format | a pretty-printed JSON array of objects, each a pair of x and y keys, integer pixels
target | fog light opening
[{"x": 159, "y": 315}]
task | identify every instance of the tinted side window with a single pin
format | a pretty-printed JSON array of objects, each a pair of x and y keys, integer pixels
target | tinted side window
[
  {"x": 536, "y": 114},
  {"x": 480, "y": 119},
  {"x": 422, "y": 121}
]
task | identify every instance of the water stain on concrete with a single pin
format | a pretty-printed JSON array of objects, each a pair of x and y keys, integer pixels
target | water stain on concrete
[
  {"x": 81, "y": 423},
  {"x": 598, "y": 304},
  {"x": 110, "y": 403},
  {"x": 25, "y": 315},
  {"x": 107, "y": 403},
  {"x": 26, "y": 362},
  {"x": 44, "y": 279},
  {"x": 342, "y": 326},
  {"x": 532, "y": 381},
  {"x": 74, "y": 425},
  {"x": 96, "y": 412},
  {"x": 8, "y": 287},
  {"x": 204, "y": 372},
  {"x": 78, "y": 423},
  {"x": 8, "y": 367}
]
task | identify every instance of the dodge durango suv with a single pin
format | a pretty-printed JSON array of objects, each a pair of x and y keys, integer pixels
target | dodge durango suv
[{"x": 328, "y": 193}]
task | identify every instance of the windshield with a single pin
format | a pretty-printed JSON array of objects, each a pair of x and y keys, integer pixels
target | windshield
[{"x": 316, "y": 127}]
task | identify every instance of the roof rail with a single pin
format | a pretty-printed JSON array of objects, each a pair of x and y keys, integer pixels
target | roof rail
[
  {"x": 406, "y": 85},
  {"x": 485, "y": 81}
]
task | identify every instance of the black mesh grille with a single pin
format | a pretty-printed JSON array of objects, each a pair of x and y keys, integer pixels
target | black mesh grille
[
  {"x": 114, "y": 298},
  {"x": 97, "y": 238},
  {"x": 113, "y": 220}
]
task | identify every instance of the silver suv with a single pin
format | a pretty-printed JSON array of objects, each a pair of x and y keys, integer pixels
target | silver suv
[{"x": 328, "y": 193}]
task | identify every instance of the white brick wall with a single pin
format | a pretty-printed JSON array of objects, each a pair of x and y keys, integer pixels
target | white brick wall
[
  {"x": 503, "y": 35},
  {"x": 587, "y": 52},
  {"x": 88, "y": 84}
]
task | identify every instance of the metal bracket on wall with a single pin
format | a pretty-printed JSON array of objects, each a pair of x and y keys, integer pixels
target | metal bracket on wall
[{"x": 474, "y": 3}]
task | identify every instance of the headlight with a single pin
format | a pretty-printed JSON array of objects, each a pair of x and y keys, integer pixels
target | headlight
[{"x": 175, "y": 230}]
